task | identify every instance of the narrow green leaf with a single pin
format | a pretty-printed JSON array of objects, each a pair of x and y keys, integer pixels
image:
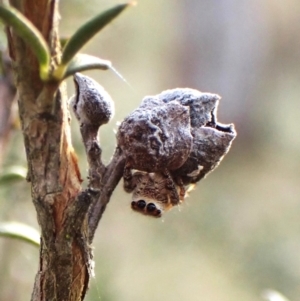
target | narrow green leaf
[
  {"x": 30, "y": 34},
  {"x": 20, "y": 231},
  {"x": 13, "y": 174},
  {"x": 88, "y": 30},
  {"x": 82, "y": 62},
  {"x": 63, "y": 41}
]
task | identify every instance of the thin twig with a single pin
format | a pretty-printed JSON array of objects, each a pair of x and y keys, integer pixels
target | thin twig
[
  {"x": 93, "y": 150},
  {"x": 110, "y": 180},
  {"x": 102, "y": 179}
]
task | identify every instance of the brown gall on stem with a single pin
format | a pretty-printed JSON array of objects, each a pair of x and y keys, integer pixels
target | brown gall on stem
[
  {"x": 93, "y": 107},
  {"x": 91, "y": 104},
  {"x": 171, "y": 141}
]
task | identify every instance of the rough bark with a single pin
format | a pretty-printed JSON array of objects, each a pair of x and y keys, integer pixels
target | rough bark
[{"x": 7, "y": 99}]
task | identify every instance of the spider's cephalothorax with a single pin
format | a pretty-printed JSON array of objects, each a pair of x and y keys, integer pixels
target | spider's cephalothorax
[{"x": 152, "y": 193}]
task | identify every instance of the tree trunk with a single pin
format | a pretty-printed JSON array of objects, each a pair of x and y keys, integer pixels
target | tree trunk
[{"x": 61, "y": 206}]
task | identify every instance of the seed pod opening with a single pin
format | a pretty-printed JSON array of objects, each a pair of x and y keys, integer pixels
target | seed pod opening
[{"x": 210, "y": 145}]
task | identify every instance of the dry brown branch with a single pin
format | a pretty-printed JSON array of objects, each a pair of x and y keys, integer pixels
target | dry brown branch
[{"x": 60, "y": 204}]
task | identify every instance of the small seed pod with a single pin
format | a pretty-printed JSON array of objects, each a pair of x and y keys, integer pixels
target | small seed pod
[
  {"x": 92, "y": 105},
  {"x": 156, "y": 136}
]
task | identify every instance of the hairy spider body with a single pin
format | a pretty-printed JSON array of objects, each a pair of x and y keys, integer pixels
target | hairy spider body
[{"x": 152, "y": 193}]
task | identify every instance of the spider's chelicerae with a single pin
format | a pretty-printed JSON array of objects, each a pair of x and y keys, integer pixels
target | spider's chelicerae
[{"x": 154, "y": 192}]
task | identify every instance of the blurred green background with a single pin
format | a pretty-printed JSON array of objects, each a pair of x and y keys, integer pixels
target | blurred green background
[{"x": 238, "y": 232}]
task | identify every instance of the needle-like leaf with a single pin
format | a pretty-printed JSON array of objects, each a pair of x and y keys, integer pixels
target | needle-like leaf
[
  {"x": 21, "y": 232},
  {"x": 13, "y": 174},
  {"x": 79, "y": 63},
  {"x": 30, "y": 34},
  {"x": 88, "y": 30}
]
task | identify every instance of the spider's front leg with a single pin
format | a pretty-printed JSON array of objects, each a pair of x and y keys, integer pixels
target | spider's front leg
[
  {"x": 171, "y": 187},
  {"x": 129, "y": 179},
  {"x": 181, "y": 189}
]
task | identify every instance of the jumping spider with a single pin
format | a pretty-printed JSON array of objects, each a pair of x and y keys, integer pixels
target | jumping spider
[{"x": 154, "y": 192}]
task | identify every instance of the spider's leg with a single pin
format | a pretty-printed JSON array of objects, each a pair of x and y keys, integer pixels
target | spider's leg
[
  {"x": 129, "y": 182},
  {"x": 181, "y": 189},
  {"x": 171, "y": 187}
]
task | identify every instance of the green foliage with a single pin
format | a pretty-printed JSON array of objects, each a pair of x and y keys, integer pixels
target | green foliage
[
  {"x": 82, "y": 62},
  {"x": 88, "y": 30},
  {"x": 79, "y": 39},
  {"x": 21, "y": 232},
  {"x": 30, "y": 34},
  {"x": 12, "y": 174},
  {"x": 71, "y": 62}
]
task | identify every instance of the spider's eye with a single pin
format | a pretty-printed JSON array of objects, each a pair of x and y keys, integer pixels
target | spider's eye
[
  {"x": 141, "y": 204},
  {"x": 151, "y": 207}
]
